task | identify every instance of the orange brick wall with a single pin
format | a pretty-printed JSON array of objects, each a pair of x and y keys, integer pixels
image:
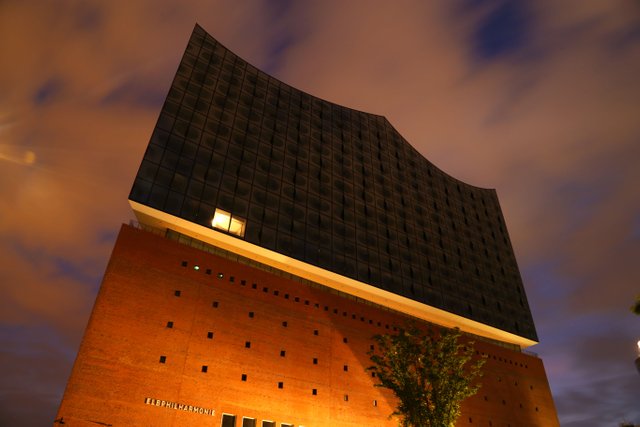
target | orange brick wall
[{"x": 118, "y": 364}]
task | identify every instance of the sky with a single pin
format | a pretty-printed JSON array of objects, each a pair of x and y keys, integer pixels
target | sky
[{"x": 537, "y": 99}]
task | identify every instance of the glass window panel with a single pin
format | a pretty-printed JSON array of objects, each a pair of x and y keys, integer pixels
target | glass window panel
[{"x": 221, "y": 219}]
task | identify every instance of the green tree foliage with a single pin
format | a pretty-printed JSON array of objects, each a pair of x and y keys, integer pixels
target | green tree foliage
[
  {"x": 635, "y": 308},
  {"x": 430, "y": 373}
]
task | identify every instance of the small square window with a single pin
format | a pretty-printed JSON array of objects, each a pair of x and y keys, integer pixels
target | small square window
[
  {"x": 315, "y": 332},
  {"x": 326, "y": 308},
  {"x": 285, "y": 324},
  {"x": 286, "y": 296},
  {"x": 315, "y": 360},
  {"x": 371, "y": 347},
  {"x": 306, "y": 302},
  {"x": 297, "y": 299},
  {"x": 247, "y": 344},
  {"x": 280, "y": 384},
  {"x": 254, "y": 286},
  {"x": 244, "y": 377},
  {"x": 344, "y": 313},
  {"x": 210, "y": 335},
  {"x": 243, "y": 282},
  {"x": 282, "y": 353},
  {"x": 345, "y": 340},
  {"x": 251, "y": 314},
  {"x": 214, "y": 304},
  {"x": 163, "y": 359},
  {"x": 184, "y": 263},
  {"x": 208, "y": 271},
  {"x": 345, "y": 368},
  {"x": 314, "y": 392},
  {"x": 228, "y": 420},
  {"x": 169, "y": 324},
  {"x": 335, "y": 311},
  {"x": 373, "y": 374},
  {"x": 232, "y": 279},
  {"x": 276, "y": 293},
  {"x": 375, "y": 402},
  {"x": 176, "y": 293},
  {"x": 205, "y": 368},
  {"x": 346, "y": 397},
  {"x": 265, "y": 289}
]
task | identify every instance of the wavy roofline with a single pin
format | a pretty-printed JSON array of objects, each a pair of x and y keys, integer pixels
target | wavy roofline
[{"x": 485, "y": 189}]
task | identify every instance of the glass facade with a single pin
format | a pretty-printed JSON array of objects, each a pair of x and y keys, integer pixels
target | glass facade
[{"x": 331, "y": 186}]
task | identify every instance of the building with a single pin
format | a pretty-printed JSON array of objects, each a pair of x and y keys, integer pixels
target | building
[{"x": 277, "y": 234}]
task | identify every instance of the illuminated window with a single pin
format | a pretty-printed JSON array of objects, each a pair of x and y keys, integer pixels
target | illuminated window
[{"x": 224, "y": 221}]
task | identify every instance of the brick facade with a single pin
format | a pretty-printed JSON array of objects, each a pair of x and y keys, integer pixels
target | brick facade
[{"x": 253, "y": 330}]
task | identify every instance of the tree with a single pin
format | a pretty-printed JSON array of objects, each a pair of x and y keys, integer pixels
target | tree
[
  {"x": 635, "y": 308},
  {"x": 430, "y": 374}
]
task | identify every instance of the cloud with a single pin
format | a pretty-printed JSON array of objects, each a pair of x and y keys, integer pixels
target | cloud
[
  {"x": 33, "y": 364},
  {"x": 536, "y": 99}
]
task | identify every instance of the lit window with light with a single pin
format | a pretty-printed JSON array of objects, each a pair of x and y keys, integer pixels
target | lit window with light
[{"x": 223, "y": 220}]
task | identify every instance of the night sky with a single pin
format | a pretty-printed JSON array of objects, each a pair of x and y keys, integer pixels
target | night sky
[{"x": 537, "y": 99}]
